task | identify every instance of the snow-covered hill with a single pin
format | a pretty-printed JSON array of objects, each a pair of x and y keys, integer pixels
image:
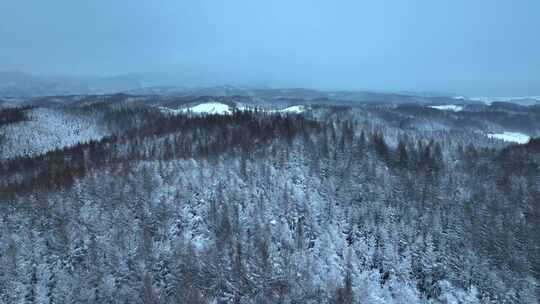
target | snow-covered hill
[
  {"x": 374, "y": 203},
  {"x": 522, "y": 100},
  {"x": 293, "y": 109},
  {"x": 454, "y": 108},
  {"x": 47, "y": 129},
  {"x": 514, "y": 137},
  {"x": 217, "y": 108}
]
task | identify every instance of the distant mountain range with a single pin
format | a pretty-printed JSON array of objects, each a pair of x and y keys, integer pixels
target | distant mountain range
[
  {"x": 17, "y": 84},
  {"x": 20, "y": 84}
]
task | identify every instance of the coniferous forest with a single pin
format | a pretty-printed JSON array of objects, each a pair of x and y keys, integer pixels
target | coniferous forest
[
  {"x": 149, "y": 199},
  {"x": 269, "y": 152}
]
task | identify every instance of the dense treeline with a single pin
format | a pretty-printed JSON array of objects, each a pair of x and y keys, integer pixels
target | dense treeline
[
  {"x": 13, "y": 115},
  {"x": 164, "y": 137},
  {"x": 261, "y": 208}
]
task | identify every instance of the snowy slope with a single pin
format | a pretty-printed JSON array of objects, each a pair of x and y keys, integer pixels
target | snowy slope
[
  {"x": 203, "y": 108},
  {"x": 223, "y": 109},
  {"x": 293, "y": 109},
  {"x": 525, "y": 100},
  {"x": 47, "y": 130},
  {"x": 454, "y": 108},
  {"x": 210, "y": 108},
  {"x": 514, "y": 137}
]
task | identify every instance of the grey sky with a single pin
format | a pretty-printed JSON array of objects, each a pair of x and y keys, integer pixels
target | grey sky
[{"x": 480, "y": 47}]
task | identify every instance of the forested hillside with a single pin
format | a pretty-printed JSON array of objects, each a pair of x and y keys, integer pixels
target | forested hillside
[{"x": 124, "y": 203}]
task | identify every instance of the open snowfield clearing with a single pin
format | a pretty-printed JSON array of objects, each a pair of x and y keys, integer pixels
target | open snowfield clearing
[
  {"x": 210, "y": 108},
  {"x": 453, "y": 108},
  {"x": 203, "y": 108},
  {"x": 293, "y": 109},
  {"x": 223, "y": 109},
  {"x": 514, "y": 137}
]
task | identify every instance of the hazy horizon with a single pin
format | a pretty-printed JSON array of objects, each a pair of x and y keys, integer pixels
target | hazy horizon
[{"x": 483, "y": 48}]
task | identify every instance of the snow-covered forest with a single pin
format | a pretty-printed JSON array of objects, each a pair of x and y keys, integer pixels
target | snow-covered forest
[{"x": 121, "y": 201}]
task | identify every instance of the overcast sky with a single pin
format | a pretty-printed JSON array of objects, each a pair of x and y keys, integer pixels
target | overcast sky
[{"x": 474, "y": 47}]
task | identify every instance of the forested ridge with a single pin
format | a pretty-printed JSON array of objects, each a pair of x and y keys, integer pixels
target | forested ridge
[{"x": 259, "y": 207}]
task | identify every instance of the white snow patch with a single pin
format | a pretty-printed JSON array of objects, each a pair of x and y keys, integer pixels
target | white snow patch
[
  {"x": 293, "y": 109},
  {"x": 223, "y": 109},
  {"x": 514, "y": 137},
  {"x": 453, "y": 108},
  {"x": 203, "y": 108},
  {"x": 489, "y": 99},
  {"x": 210, "y": 108}
]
